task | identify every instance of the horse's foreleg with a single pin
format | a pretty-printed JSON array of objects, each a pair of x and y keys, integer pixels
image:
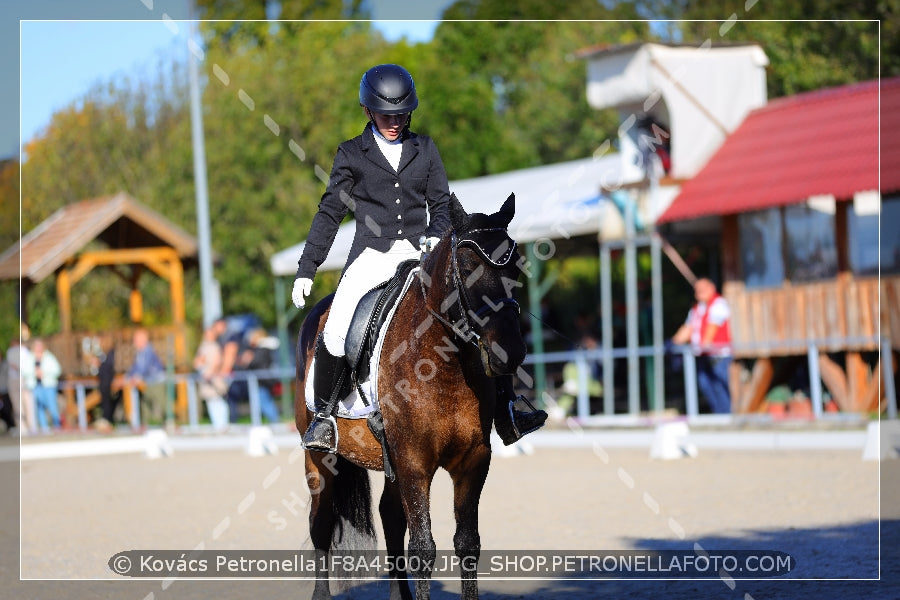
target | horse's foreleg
[
  {"x": 321, "y": 523},
  {"x": 393, "y": 519},
  {"x": 468, "y": 481},
  {"x": 416, "y": 494}
]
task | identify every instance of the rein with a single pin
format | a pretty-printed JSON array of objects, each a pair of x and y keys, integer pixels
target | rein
[
  {"x": 458, "y": 299},
  {"x": 553, "y": 329}
]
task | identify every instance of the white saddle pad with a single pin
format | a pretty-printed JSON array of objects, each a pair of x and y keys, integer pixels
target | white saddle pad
[{"x": 353, "y": 407}]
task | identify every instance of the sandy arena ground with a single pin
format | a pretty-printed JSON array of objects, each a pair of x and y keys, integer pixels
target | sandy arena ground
[{"x": 819, "y": 506}]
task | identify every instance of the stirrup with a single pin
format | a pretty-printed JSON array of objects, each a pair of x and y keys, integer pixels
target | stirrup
[
  {"x": 529, "y": 421},
  {"x": 322, "y": 434},
  {"x": 536, "y": 416}
]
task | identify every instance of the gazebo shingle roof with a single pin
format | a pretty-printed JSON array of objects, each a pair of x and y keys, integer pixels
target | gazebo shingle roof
[{"x": 120, "y": 221}]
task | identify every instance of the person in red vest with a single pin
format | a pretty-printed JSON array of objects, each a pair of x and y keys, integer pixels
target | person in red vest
[{"x": 708, "y": 330}]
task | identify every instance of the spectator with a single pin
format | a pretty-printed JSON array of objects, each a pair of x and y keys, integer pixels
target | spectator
[
  {"x": 6, "y": 411},
  {"x": 109, "y": 399},
  {"x": 148, "y": 374},
  {"x": 708, "y": 330},
  {"x": 42, "y": 378},
  {"x": 21, "y": 398},
  {"x": 230, "y": 342},
  {"x": 212, "y": 386},
  {"x": 254, "y": 356}
]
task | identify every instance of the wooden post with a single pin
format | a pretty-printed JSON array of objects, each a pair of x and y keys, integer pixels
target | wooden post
[
  {"x": 836, "y": 381},
  {"x": 135, "y": 306},
  {"x": 64, "y": 297},
  {"x": 754, "y": 393},
  {"x": 870, "y": 398},
  {"x": 734, "y": 385},
  {"x": 857, "y": 377}
]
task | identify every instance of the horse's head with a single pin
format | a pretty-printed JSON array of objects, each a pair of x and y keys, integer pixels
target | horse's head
[{"x": 474, "y": 271}]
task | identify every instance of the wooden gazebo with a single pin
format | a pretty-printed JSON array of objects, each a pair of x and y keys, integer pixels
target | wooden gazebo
[{"x": 133, "y": 239}]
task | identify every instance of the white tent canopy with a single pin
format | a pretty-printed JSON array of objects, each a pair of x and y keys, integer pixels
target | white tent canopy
[
  {"x": 552, "y": 201},
  {"x": 706, "y": 92}
]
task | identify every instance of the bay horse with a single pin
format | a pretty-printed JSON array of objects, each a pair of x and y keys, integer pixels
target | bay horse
[{"x": 453, "y": 330}]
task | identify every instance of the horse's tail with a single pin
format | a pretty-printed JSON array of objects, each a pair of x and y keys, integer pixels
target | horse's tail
[
  {"x": 352, "y": 505},
  {"x": 351, "y": 502}
]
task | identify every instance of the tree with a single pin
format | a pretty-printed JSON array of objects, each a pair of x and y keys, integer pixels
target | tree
[
  {"x": 513, "y": 96},
  {"x": 276, "y": 140},
  {"x": 806, "y": 52},
  {"x": 232, "y": 27},
  {"x": 9, "y": 234},
  {"x": 122, "y": 136},
  {"x": 9, "y": 193}
]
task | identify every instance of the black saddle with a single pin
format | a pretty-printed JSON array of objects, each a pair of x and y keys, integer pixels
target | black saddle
[{"x": 368, "y": 318}]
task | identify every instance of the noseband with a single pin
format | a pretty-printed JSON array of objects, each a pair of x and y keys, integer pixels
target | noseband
[{"x": 460, "y": 317}]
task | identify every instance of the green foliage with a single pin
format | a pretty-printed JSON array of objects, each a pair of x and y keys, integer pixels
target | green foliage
[
  {"x": 9, "y": 234},
  {"x": 124, "y": 136},
  {"x": 516, "y": 88},
  {"x": 263, "y": 180},
  {"x": 805, "y": 51},
  {"x": 9, "y": 200}
]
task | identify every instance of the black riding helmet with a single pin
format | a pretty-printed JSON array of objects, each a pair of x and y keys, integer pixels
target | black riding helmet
[{"x": 388, "y": 89}]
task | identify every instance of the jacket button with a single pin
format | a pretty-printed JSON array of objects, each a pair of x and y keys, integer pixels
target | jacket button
[
  {"x": 399, "y": 231},
  {"x": 396, "y": 184},
  {"x": 397, "y": 201},
  {"x": 399, "y": 217}
]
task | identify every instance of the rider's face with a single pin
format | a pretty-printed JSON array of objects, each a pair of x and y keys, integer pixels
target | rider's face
[{"x": 390, "y": 126}]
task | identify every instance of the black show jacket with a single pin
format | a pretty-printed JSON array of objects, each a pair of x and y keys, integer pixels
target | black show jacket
[{"x": 388, "y": 205}]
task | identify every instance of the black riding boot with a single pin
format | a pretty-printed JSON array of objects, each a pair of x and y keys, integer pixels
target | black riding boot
[
  {"x": 512, "y": 424},
  {"x": 330, "y": 376}
]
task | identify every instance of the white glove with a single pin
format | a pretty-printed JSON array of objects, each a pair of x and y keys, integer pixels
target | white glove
[
  {"x": 428, "y": 244},
  {"x": 302, "y": 287}
]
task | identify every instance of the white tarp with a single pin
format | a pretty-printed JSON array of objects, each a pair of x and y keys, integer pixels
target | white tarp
[
  {"x": 703, "y": 93},
  {"x": 552, "y": 201}
]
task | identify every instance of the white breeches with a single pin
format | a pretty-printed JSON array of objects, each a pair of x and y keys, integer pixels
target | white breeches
[{"x": 367, "y": 271}]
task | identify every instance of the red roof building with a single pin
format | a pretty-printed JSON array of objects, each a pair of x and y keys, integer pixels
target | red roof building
[
  {"x": 808, "y": 191},
  {"x": 824, "y": 142}
]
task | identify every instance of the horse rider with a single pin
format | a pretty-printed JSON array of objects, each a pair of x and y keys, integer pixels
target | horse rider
[{"x": 387, "y": 176}]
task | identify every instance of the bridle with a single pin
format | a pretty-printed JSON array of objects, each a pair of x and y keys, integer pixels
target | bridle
[{"x": 460, "y": 318}]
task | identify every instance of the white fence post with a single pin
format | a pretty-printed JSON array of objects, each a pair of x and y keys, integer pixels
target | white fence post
[
  {"x": 815, "y": 380},
  {"x": 135, "y": 407},
  {"x": 887, "y": 368},
  {"x": 253, "y": 388},
  {"x": 193, "y": 409},
  {"x": 584, "y": 404},
  {"x": 82, "y": 411},
  {"x": 692, "y": 403}
]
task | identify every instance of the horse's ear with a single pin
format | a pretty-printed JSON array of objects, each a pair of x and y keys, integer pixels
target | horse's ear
[
  {"x": 459, "y": 218},
  {"x": 508, "y": 210}
]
